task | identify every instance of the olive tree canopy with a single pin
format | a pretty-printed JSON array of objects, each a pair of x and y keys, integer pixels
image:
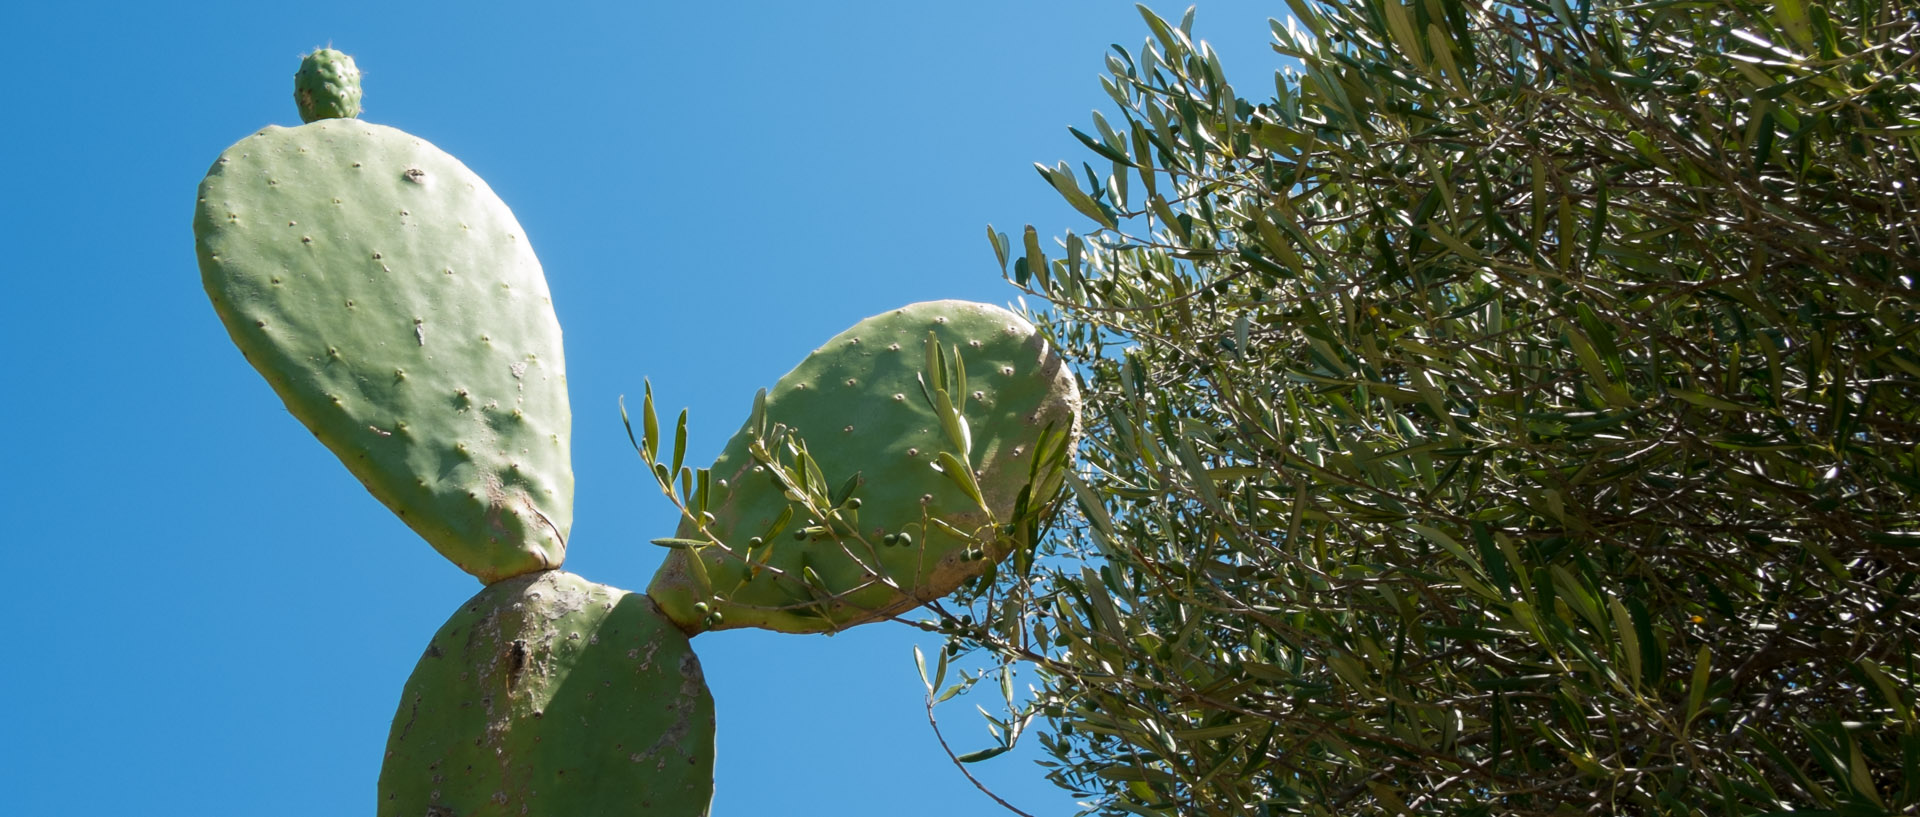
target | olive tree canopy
[{"x": 1513, "y": 413}]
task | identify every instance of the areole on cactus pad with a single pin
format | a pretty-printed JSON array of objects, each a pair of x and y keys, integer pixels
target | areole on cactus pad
[
  {"x": 925, "y": 431},
  {"x": 396, "y": 306}
]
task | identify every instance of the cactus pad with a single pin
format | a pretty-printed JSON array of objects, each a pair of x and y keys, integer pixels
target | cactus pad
[
  {"x": 327, "y": 86},
  {"x": 547, "y": 694},
  {"x": 902, "y": 531},
  {"x": 395, "y": 305}
]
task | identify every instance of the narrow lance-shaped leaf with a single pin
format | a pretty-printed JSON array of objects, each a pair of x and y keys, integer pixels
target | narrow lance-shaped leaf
[
  {"x": 1036, "y": 260},
  {"x": 650, "y": 426},
  {"x": 962, "y": 477},
  {"x": 999, "y": 242},
  {"x": 680, "y": 441}
]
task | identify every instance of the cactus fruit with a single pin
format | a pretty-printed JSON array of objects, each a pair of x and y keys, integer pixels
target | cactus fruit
[
  {"x": 394, "y": 303},
  {"x": 547, "y": 694},
  {"x": 327, "y": 86},
  {"x": 900, "y": 529}
]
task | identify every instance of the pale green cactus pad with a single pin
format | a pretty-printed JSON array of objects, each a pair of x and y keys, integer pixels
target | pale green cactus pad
[
  {"x": 880, "y": 525},
  {"x": 395, "y": 305},
  {"x": 547, "y": 695}
]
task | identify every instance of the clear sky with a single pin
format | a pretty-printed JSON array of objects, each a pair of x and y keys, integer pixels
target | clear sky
[{"x": 212, "y": 617}]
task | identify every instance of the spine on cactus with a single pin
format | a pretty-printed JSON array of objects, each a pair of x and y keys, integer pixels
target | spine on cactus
[
  {"x": 396, "y": 306},
  {"x": 891, "y": 465}
]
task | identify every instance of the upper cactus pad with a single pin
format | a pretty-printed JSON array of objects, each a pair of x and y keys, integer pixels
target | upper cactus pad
[
  {"x": 903, "y": 531},
  {"x": 327, "y": 86},
  {"x": 549, "y": 695},
  {"x": 395, "y": 305}
]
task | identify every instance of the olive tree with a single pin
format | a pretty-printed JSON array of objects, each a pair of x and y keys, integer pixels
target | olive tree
[{"x": 1515, "y": 413}]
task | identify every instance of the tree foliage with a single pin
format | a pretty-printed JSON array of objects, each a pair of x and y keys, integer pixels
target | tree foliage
[{"x": 1514, "y": 414}]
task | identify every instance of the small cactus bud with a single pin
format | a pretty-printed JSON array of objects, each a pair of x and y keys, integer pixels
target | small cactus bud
[
  {"x": 890, "y": 539},
  {"x": 906, "y": 538},
  {"x": 756, "y": 542},
  {"x": 854, "y": 503},
  {"x": 327, "y": 86}
]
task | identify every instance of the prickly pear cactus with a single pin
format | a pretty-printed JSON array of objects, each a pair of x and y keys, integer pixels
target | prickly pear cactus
[
  {"x": 879, "y": 515},
  {"x": 547, "y": 694},
  {"x": 327, "y": 86},
  {"x": 395, "y": 305}
]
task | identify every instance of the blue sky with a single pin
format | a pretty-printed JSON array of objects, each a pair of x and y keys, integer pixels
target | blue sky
[{"x": 211, "y": 616}]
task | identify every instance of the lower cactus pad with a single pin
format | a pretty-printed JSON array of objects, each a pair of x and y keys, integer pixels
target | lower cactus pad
[{"x": 547, "y": 694}]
